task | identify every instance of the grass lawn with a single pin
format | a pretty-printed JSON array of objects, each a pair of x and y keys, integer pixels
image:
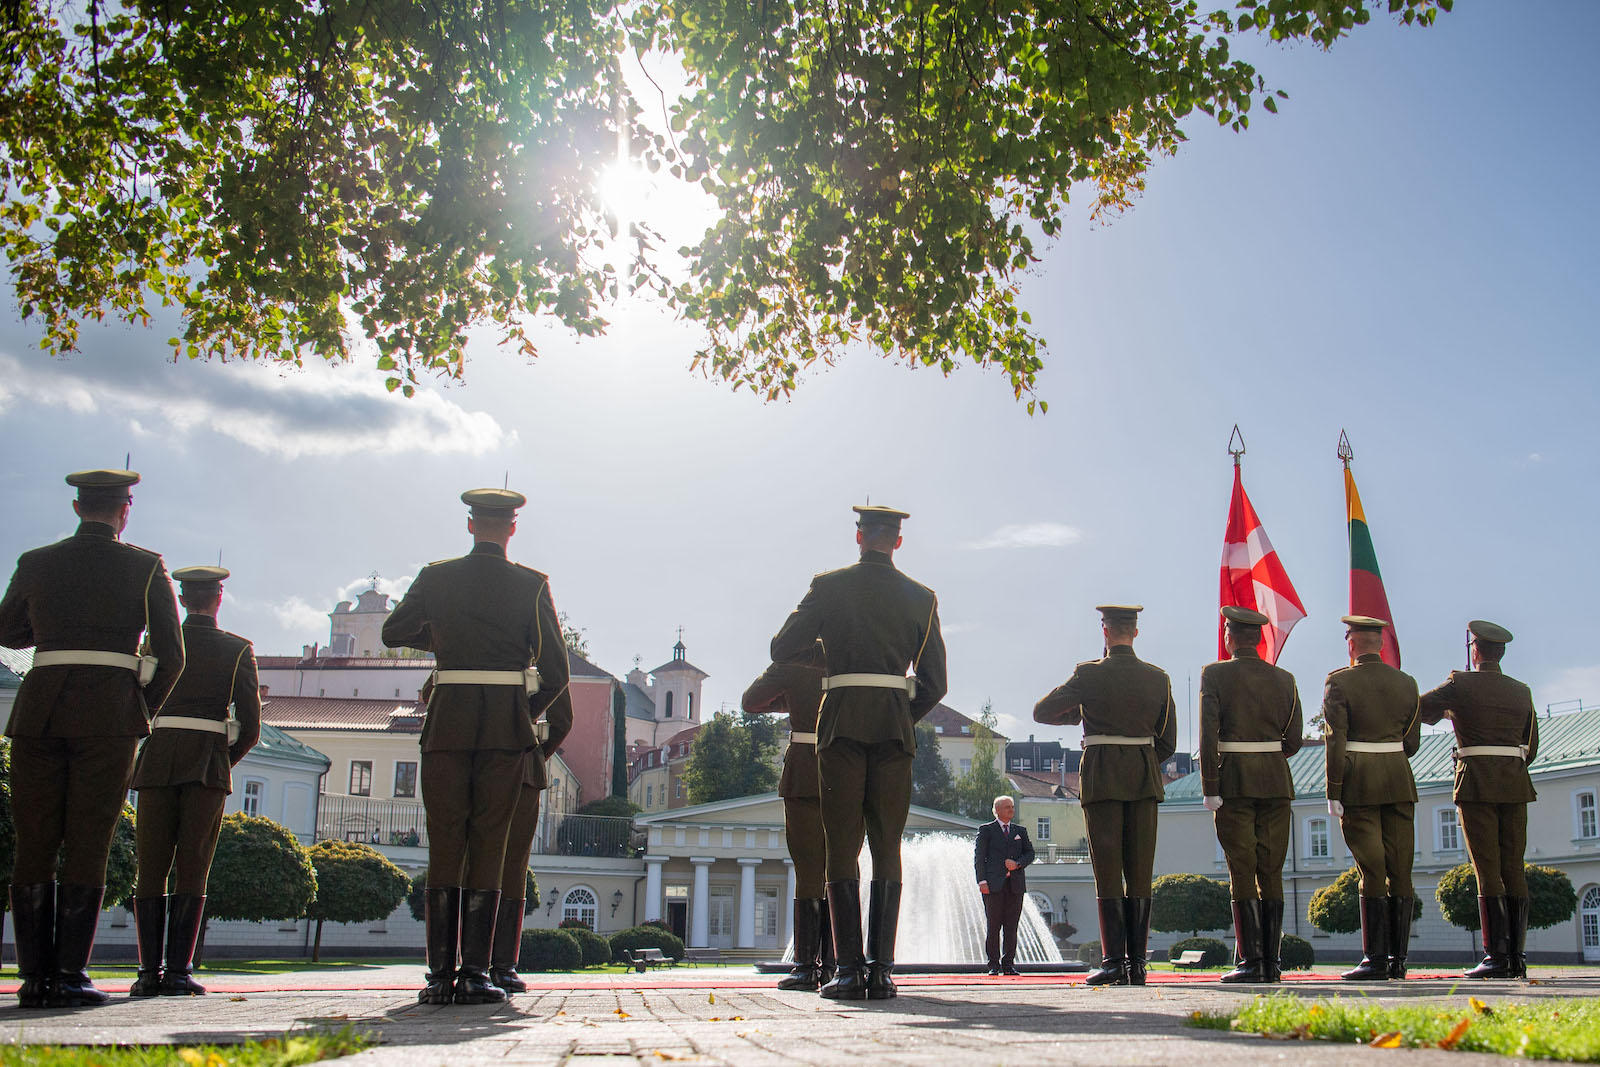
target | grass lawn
[
  {"x": 294, "y": 1048},
  {"x": 1555, "y": 1029}
]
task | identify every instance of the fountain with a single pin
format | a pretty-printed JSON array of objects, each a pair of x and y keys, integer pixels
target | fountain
[{"x": 941, "y": 911}]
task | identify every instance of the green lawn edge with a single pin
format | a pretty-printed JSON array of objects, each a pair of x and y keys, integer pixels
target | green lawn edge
[{"x": 295, "y": 1047}]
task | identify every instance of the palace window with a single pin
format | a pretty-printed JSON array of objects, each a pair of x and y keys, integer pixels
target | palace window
[
  {"x": 361, "y": 778},
  {"x": 581, "y": 903},
  {"x": 649, "y": 795},
  {"x": 1588, "y": 826},
  {"x": 1317, "y": 839},
  {"x": 251, "y": 803},
  {"x": 1043, "y": 831},
  {"x": 1449, "y": 836},
  {"x": 405, "y": 778}
]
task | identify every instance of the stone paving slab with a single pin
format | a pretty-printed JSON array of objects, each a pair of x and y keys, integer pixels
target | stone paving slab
[{"x": 968, "y": 1024}]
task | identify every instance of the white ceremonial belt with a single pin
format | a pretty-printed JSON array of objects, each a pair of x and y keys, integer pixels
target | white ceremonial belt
[
  {"x": 541, "y": 731},
  {"x": 143, "y": 666},
  {"x": 528, "y": 678},
  {"x": 798, "y": 738},
  {"x": 871, "y": 681},
  {"x": 1519, "y": 751},
  {"x": 228, "y": 728},
  {"x": 1249, "y": 746},
  {"x": 1374, "y": 746},
  {"x": 1115, "y": 739}
]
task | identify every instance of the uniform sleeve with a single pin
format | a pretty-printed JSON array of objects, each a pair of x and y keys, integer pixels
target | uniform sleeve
[
  {"x": 16, "y": 629},
  {"x": 550, "y": 657},
  {"x": 407, "y": 625},
  {"x": 765, "y": 692},
  {"x": 1294, "y": 730},
  {"x": 1167, "y": 733},
  {"x": 1413, "y": 736},
  {"x": 165, "y": 637},
  {"x": 1437, "y": 703},
  {"x": 1063, "y": 705},
  {"x": 932, "y": 682},
  {"x": 1335, "y": 729},
  {"x": 793, "y": 642},
  {"x": 246, "y": 705},
  {"x": 1533, "y": 733},
  {"x": 1210, "y": 724}
]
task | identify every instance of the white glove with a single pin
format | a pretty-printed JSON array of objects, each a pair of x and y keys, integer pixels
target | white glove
[
  {"x": 1335, "y": 808},
  {"x": 1213, "y": 803}
]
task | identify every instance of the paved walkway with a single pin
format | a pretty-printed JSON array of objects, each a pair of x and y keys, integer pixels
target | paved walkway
[{"x": 732, "y": 1016}]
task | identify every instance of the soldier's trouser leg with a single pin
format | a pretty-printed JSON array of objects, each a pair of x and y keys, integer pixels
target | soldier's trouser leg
[
  {"x": 1514, "y": 849},
  {"x": 1139, "y": 846},
  {"x": 72, "y": 789},
  {"x": 1399, "y": 847},
  {"x": 1272, "y": 846},
  {"x": 1236, "y": 833},
  {"x": 888, "y": 803},
  {"x": 1103, "y": 821},
  {"x": 514, "y": 893},
  {"x": 177, "y": 826},
  {"x": 1363, "y": 835},
  {"x": 470, "y": 798},
  {"x": 1481, "y": 825},
  {"x": 842, "y": 767},
  {"x": 802, "y": 826}
]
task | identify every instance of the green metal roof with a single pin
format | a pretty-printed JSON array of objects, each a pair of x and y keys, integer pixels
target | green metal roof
[
  {"x": 14, "y": 663},
  {"x": 279, "y": 745},
  {"x": 1565, "y": 742}
]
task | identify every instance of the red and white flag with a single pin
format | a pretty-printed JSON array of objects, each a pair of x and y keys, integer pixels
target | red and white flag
[{"x": 1253, "y": 577}]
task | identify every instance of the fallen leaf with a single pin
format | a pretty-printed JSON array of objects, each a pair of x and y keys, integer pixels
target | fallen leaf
[
  {"x": 236, "y": 999},
  {"x": 664, "y": 1054},
  {"x": 562, "y": 1011},
  {"x": 1317, "y": 1009},
  {"x": 1455, "y": 1034},
  {"x": 714, "y": 1019},
  {"x": 736, "y": 1018},
  {"x": 1196, "y": 1015},
  {"x": 711, "y": 998},
  {"x": 1479, "y": 1006},
  {"x": 1536, "y": 981},
  {"x": 1389, "y": 1040},
  {"x": 619, "y": 1013}
]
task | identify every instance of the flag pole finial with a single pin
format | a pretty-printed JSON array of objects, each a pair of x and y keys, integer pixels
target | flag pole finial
[
  {"x": 1232, "y": 451},
  {"x": 1346, "y": 453}
]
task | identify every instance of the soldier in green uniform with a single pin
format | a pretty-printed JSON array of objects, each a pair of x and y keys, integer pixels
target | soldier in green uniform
[
  {"x": 875, "y": 624},
  {"x": 489, "y": 623},
  {"x": 1372, "y": 730},
  {"x": 1497, "y": 737},
  {"x": 796, "y": 688},
  {"x": 1130, "y": 726},
  {"x": 183, "y": 777},
  {"x": 1250, "y": 724},
  {"x": 82, "y": 603},
  {"x": 556, "y": 708}
]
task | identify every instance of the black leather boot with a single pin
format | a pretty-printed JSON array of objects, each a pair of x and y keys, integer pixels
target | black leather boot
[
  {"x": 1271, "y": 940},
  {"x": 1247, "y": 933},
  {"x": 1138, "y": 912},
  {"x": 508, "y": 946},
  {"x": 33, "y": 918},
  {"x": 807, "y": 973},
  {"x": 1517, "y": 919},
  {"x": 478, "y": 910},
  {"x": 828, "y": 965},
  {"x": 77, "y": 912},
  {"x": 1113, "y": 945},
  {"x": 1494, "y": 922},
  {"x": 1401, "y": 909},
  {"x": 186, "y": 914},
  {"x": 441, "y": 919},
  {"x": 150, "y": 920},
  {"x": 1374, "y": 965},
  {"x": 844, "y": 912},
  {"x": 883, "y": 920}
]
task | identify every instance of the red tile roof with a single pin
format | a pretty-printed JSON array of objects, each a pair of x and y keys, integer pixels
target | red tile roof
[
  {"x": 338, "y": 713},
  {"x": 1037, "y": 785}
]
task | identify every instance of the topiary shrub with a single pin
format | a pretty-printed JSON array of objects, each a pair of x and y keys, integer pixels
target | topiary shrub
[
  {"x": 1089, "y": 952},
  {"x": 1296, "y": 953},
  {"x": 634, "y": 937},
  {"x": 659, "y": 924},
  {"x": 1217, "y": 953},
  {"x": 1063, "y": 931},
  {"x": 596, "y": 949},
  {"x": 549, "y": 950}
]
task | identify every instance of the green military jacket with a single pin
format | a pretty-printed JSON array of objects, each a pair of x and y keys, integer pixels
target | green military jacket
[
  {"x": 1120, "y": 695},
  {"x": 795, "y": 688},
  {"x": 872, "y": 620},
  {"x": 483, "y": 612},
  {"x": 1488, "y": 708},
  {"x": 1371, "y": 701},
  {"x": 90, "y": 592},
  {"x": 219, "y": 669},
  {"x": 1248, "y": 699}
]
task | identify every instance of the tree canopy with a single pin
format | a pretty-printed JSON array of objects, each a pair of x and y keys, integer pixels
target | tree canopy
[
  {"x": 307, "y": 181},
  {"x": 1189, "y": 902},
  {"x": 355, "y": 883},
  {"x": 977, "y": 788},
  {"x": 1336, "y": 907},
  {"x": 260, "y": 872},
  {"x": 1551, "y": 898},
  {"x": 932, "y": 784},
  {"x": 732, "y": 757}
]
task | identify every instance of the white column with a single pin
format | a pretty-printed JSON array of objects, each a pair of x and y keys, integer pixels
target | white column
[
  {"x": 652, "y": 886},
  {"x": 788, "y": 898},
  {"x": 747, "y": 902},
  {"x": 700, "y": 904}
]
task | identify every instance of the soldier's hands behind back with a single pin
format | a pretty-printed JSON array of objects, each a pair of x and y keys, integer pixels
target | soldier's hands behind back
[
  {"x": 1213, "y": 803},
  {"x": 1335, "y": 808}
]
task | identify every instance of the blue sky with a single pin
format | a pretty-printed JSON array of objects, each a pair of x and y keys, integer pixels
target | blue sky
[{"x": 1405, "y": 252}]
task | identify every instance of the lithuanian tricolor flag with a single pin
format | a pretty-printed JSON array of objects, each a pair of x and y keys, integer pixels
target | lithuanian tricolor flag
[{"x": 1366, "y": 583}]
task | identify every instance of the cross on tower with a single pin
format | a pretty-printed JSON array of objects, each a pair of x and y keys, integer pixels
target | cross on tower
[{"x": 373, "y": 578}]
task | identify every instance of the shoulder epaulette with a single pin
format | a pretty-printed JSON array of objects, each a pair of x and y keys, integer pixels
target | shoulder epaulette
[
  {"x": 541, "y": 575},
  {"x": 141, "y": 548}
]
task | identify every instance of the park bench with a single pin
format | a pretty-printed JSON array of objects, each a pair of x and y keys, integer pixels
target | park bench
[
  {"x": 643, "y": 958},
  {"x": 702, "y": 955},
  {"x": 1189, "y": 959}
]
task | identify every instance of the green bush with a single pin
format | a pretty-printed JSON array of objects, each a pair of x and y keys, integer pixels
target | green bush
[
  {"x": 596, "y": 949},
  {"x": 1296, "y": 953},
  {"x": 634, "y": 937},
  {"x": 549, "y": 950},
  {"x": 573, "y": 924},
  {"x": 1551, "y": 898},
  {"x": 1089, "y": 952},
  {"x": 1216, "y": 953}
]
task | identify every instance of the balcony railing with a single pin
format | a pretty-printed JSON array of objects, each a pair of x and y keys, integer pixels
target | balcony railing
[
  {"x": 377, "y": 821},
  {"x": 586, "y": 835},
  {"x": 1078, "y": 853}
]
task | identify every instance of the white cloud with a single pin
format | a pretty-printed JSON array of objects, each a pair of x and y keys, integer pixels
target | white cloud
[
  {"x": 395, "y": 587},
  {"x": 1029, "y": 535},
  {"x": 949, "y": 629},
  {"x": 295, "y": 614},
  {"x": 315, "y": 411}
]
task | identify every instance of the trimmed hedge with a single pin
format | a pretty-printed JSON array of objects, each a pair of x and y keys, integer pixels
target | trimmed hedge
[
  {"x": 1089, "y": 952},
  {"x": 634, "y": 937},
  {"x": 573, "y": 924},
  {"x": 549, "y": 950},
  {"x": 1216, "y": 953},
  {"x": 596, "y": 949},
  {"x": 1296, "y": 953}
]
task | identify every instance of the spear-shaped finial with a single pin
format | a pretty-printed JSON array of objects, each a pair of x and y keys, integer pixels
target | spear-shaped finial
[
  {"x": 1232, "y": 451},
  {"x": 505, "y": 483},
  {"x": 127, "y": 461},
  {"x": 1346, "y": 453}
]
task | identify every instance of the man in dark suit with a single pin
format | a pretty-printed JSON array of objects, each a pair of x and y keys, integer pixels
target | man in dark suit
[
  {"x": 1002, "y": 851},
  {"x": 83, "y": 604}
]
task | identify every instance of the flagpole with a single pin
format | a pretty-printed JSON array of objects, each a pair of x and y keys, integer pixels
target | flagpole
[
  {"x": 1236, "y": 452},
  {"x": 1346, "y": 453}
]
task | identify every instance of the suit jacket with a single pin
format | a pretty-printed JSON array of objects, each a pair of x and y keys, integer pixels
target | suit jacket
[
  {"x": 872, "y": 620},
  {"x": 991, "y": 850},
  {"x": 483, "y": 612},
  {"x": 219, "y": 669},
  {"x": 1120, "y": 694},
  {"x": 1248, "y": 699},
  {"x": 94, "y": 592},
  {"x": 797, "y": 689},
  {"x": 1371, "y": 701},
  {"x": 1488, "y": 708}
]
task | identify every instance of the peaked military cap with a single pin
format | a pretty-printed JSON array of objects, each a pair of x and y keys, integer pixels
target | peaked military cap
[
  {"x": 493, "y": 501},
  {"x": 1119, "y": 612},
  {"x": 1488, "y": 631},
  {"x": 877, "y": 515},
  {"x": 199, "y": 575},
  {"x": 1244, "y": 616},
  {"x": 1364, "y": 622},
  {"x": 102, "y": 481}
]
